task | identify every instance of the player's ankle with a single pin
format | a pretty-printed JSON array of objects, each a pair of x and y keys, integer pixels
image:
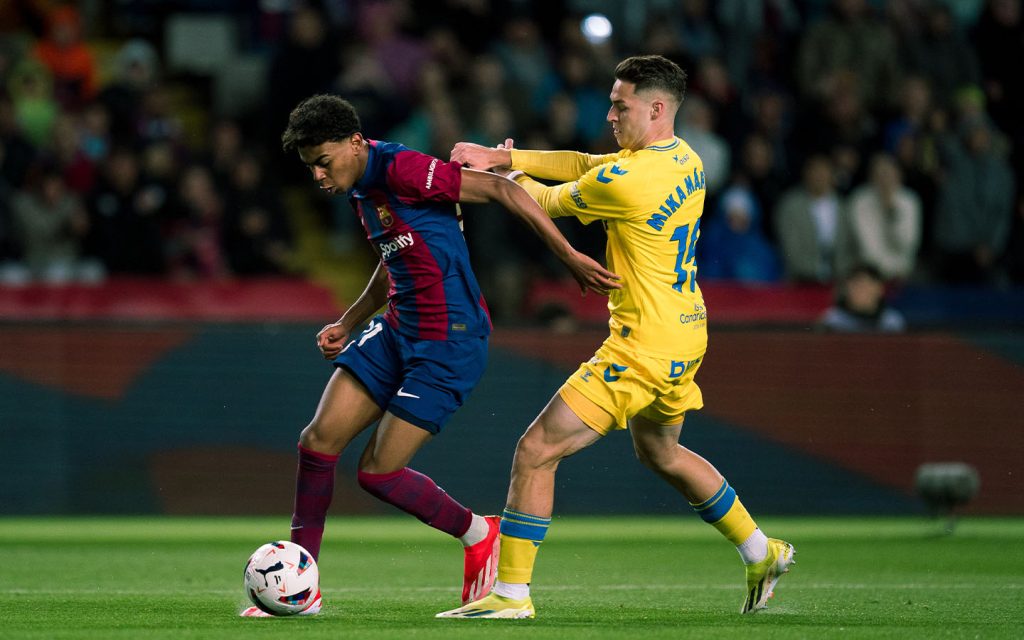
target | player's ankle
[
  {"x": 513, "y": 590},
  {"x": 477, "y": 531},
  {"x": 754, "y": 549}
]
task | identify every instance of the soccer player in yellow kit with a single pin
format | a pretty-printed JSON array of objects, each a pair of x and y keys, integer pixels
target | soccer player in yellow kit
[{"x": 650, "y": 196}]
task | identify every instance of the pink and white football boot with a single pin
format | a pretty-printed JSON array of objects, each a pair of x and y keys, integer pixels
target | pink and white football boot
[{"x": 481, "y": 564}]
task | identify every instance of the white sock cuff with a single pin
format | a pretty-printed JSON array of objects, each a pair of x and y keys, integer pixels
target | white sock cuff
[
  {"x": 516, "y": 591},
  {"x": 476, "y": 532},
  {"x": 754, "y": 548}
]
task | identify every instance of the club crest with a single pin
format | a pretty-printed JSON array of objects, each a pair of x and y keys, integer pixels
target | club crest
[{"x": 385, "y": 216}]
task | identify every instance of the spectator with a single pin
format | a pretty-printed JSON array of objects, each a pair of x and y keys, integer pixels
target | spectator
[
  {"x": 562, "y": 124},
  {"x": 196, "y": 242},
  {"x": 225, "y": 150},
  {"x": 975, "y": 207},
  {"x": 1015, "y": 255},
  {"x": 158, "y": 181},
  {"x": 136, "y": 72},
  {"x": 125, "y": 230},
  {"x": 159, "y": 120},
  {"x": 256, "y": 235},
  {"x": 523, "y": 56},
  {"x": 68, "y": 58},
  {"x": 999, "y": 41},
  {"x": 366, "y": 85},
  {"x": 35, "y": 109},
  {"x": 915, "y": 111},
  {"x": 698, "y": 128},
  {"x": 885, "y": 223},
  {"x": 850, "y": 39},
  {"x": 696, "y": 32},
  {"x": 51, "y": 224},
  {"x": 809, "y": 224},
  {"x": 941, "y": 54},
  {"x": 733, "y": 241},
  {"x": 772, "y": 120},
  {"x": 861, "y": 305},
  {"x": 401, "y": 55},
  {"x": 95, "y": 136},
  {"x": 306, "y": 63},
  {"x": 78, "y": 169},
  {"x": 576, "y": 78},
  {"x": 758, "y": 35},
  {"x": 12, "y": 271},
  {"x": 711, "y": 81},
  {"x": 766, "y": 180},
  {"x": 912, "y": 137},
  {"x": 841, "y": 127},
  {"x": 19, "y": 154}
]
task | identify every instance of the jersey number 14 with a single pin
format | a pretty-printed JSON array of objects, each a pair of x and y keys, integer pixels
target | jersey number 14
[{"x": 686, "y": 268}]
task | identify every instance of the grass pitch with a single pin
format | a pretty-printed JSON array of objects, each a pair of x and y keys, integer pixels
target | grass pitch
[{"x": 596, "y": 578}]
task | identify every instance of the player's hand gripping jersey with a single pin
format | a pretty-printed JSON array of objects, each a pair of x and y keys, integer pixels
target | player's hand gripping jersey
[
  {"x": 650, "y": 202},
  {"x": 406, "y": 201}
]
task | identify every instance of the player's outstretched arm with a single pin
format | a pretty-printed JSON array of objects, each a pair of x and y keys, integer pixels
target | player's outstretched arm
[
  {"x": 479, "y": 186},
  {"x": 331, "y": 339},
  {"x": 482, "y": 158},
  {"x": 561, "y": 166}
]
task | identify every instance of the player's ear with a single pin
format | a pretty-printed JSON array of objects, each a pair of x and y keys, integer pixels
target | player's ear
[{"x": 356, "y": 140}]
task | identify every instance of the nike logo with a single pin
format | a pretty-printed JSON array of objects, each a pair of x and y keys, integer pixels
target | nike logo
[{"x": 402, "y": 394}]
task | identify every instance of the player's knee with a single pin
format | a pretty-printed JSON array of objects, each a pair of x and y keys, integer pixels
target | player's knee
[
  {"x": 535, "y": 451},
  {"x": 318, "y": 438},
  {"x": 655, "y": 459}
]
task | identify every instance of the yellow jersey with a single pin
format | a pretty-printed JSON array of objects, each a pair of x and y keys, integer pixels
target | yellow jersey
[{"x": 650, "y": 202}]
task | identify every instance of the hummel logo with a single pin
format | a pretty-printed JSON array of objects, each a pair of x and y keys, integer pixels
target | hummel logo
[{"x": 402, "y": 394}]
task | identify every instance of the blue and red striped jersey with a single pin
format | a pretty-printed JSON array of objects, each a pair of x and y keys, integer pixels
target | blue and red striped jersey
[{"x": 406, "y": 201}]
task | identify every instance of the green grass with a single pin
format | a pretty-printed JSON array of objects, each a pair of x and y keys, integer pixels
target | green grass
[{"x": 596, "y": 578}]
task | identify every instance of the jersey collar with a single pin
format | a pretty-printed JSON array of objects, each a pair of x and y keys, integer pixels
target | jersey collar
[{"x": 664, "y": 145}]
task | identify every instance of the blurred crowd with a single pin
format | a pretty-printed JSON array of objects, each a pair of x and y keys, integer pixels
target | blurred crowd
[{"x": 839, "y": 137}]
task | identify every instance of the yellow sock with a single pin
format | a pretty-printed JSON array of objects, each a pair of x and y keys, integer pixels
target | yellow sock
[
  {"x": 521, "y": 535},
  {"x": 725, "y": 512}
]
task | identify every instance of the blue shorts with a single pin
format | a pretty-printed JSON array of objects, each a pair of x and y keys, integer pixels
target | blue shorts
[{"x": 420, "y": 381}]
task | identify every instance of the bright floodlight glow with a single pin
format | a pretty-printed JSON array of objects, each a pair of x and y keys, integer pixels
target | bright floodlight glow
[{"x": 596, "y": 28}]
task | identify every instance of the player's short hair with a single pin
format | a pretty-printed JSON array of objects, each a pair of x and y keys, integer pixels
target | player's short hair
[
  {"x": 653, "y": 73},
  {"x": 319, "y": 119}
]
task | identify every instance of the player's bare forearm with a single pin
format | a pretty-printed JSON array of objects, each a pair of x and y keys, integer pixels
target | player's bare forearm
[
  {"x": 369, "y": 301},
  {"x": 332, "y": 338},
  {"x": 483, "y": 187}
]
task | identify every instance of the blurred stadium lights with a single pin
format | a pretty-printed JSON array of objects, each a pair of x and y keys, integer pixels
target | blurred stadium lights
[{"x": 596, "y": 28}]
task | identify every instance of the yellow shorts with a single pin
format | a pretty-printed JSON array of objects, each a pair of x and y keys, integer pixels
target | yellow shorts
[{"x": 625, "y": 384}]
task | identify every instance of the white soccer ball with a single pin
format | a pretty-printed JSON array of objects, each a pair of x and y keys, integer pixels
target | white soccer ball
[{"x": 281, "y": 578}]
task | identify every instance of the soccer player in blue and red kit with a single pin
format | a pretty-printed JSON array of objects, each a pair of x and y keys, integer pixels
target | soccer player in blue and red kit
[{"x": 413, "y": 366}]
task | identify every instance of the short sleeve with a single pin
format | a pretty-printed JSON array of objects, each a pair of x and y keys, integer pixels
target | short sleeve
[{"x": 416, "y": 177}]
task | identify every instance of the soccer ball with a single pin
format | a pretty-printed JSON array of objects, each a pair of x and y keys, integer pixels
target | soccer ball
[{"x": 281, "y": 578}]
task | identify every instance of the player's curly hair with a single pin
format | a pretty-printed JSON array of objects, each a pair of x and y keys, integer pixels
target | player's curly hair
[
  {"x": 653, "y": 72},
  {"x": 319, "y": 119}
]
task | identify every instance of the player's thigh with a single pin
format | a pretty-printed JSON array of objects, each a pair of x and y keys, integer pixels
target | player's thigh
[
  {"x": 393, "y": 444},
  {"x": 613, "y": 383},
  {"x": 559, "y": 432},
  {"x": 437, "y": 378},
  {"x": 375, "y": 360},
  {"x": 345, "y": 410}
]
